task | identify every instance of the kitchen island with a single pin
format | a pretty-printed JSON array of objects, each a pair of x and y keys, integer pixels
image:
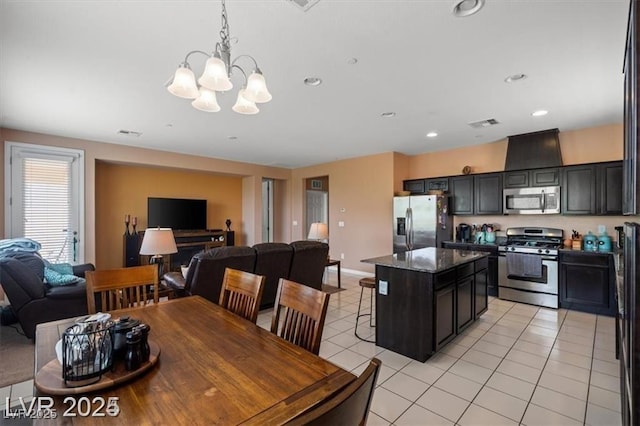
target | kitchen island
[{"x": 425, "y": 297}]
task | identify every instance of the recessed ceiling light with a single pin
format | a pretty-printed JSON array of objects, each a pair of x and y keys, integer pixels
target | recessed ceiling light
[
  {"x": 432, "y": 134},
  {"x": 515, "y": 77},
  {"x": 467, "y": 7},
  {"x": 313, "y": 81},
  {"x": 539, "y": 113},
  {"x": 388, "y": 114},
  {"x": 352, "y": 61}
]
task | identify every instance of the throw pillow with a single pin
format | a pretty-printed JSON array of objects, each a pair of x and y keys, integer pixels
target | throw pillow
[{"x": 55, "y": 278}]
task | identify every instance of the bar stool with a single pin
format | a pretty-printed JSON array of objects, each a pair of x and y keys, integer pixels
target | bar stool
[{"x": 370, "y": 283}]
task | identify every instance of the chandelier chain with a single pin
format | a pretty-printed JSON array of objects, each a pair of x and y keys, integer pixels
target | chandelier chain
[{"x": 224, "y": 31}]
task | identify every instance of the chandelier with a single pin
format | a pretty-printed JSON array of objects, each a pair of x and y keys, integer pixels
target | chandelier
[{"x": 216, "y": 77}]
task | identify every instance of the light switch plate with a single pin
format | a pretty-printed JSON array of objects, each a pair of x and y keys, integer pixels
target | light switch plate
[
  {"x": 341, "y": 224},
  {"x": 383, "y": 287}
]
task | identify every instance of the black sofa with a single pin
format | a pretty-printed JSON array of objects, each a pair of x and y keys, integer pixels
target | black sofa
[
  {"x": 34, "y": 302},
  {"x": 300, "y": 261}
]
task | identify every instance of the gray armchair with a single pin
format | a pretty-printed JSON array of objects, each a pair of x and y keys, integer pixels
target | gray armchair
[{"x": 34, "y": 302}]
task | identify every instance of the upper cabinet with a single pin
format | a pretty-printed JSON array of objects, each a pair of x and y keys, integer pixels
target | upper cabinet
[
  {"x": 488, "y": 193},
  {"x": 476, "y": 194},
  {"x": 609, "y": 188},
  {"x": 579, "y": 189},
  {"x": 415, "y": 186},
  {"x": 530, "y": 178},
  {"x": 462, "y": 195},
  {"x": 631, "y": 166}
]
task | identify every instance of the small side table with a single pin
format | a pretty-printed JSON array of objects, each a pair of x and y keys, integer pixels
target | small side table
[{"x": 333, "y": 262}]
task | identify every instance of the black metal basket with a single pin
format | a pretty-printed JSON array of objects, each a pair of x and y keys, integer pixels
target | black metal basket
[{"x": 87, "y": 352}]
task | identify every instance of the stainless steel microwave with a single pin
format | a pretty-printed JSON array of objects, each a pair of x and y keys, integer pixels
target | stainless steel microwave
[{"x": 539, "y": 200}]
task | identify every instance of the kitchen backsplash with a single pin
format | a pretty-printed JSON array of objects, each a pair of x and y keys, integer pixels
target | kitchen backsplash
[{"x": 582, "y": 224}]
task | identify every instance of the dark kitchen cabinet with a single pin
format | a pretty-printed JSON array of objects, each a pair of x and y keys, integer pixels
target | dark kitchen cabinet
[
  {"x": 491, "y": 279},
  {"x": 464, "y": 300},
  {"x": 415, "y": 186},
  {"x": 462, "y": 194},
  {"x": 488, "y": 193},
  {"x": 579, "y": 189},
  {"x": 445, "y": 315},
  {"x": 436, "y": 184},
  {"x": 609, "y": 188},
  {"x": 532, "y": 178},
  {"x": 585, "y": 282},
  {"x": 481, "y": 302}
]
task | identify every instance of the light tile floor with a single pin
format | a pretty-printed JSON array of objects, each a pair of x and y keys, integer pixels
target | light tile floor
[{"x": 518, "y": 364}]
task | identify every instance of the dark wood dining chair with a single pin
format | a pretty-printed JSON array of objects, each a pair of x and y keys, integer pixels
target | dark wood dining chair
[
  {"x": 241, "y": 293},
  {"x": 303, "y": 310},
  {"x": 350, "y": 406},
  {"x": 122, "y": 288}
]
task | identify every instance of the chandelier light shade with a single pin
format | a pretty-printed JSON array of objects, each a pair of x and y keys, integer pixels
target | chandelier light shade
[
  {"x": 206, "y": 101},
  {"x": 244, "y": 105},
  {"x": 184, "y": 84},
  {"x": 216, "y": 77}
]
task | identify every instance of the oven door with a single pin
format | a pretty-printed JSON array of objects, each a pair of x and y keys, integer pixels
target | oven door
[{"x": 537, "y": 291}]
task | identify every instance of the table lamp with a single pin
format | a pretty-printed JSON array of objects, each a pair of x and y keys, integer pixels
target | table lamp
[
  {"x": 318, "y": 231},
  {"x": 155, "y": 243}
]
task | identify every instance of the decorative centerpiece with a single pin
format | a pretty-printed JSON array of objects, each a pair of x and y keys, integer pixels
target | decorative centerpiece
[{"x": 228, "y": 223}]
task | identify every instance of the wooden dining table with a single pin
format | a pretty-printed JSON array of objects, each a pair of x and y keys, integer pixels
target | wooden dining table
[{"x": 214, "y": 367}]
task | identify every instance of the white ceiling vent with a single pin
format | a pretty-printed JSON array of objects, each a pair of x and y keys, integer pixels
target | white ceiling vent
[
  {"x": 304, "y": 4},
  {"x": 129, "y": 133},
  {"x": 483, "y": 123}
]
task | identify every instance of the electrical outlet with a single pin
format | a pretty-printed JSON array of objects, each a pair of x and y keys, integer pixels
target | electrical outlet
[
  {"x": 295, "y": 223},
  {"x": 342, "y": 256},
  {"x": 341, "y": 224}
]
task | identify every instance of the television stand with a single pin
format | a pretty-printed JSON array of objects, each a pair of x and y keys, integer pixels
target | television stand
[{"x": 188, "y": 243}]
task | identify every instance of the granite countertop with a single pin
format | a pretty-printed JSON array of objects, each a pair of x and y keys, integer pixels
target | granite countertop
[
  {"x": 429, "y": 259},
  {"x": 474, "y": 243}
]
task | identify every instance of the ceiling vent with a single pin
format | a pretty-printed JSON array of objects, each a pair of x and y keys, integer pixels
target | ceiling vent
[
  {"x": 483, "y": 123},
  {"x": 304, "y": 4},
  {"x": 129, "y": 133}
]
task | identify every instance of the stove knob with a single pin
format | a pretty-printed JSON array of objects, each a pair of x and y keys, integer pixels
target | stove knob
[
  {"x": 547, "y": 251},
  {"x": 540, "y": 250}
]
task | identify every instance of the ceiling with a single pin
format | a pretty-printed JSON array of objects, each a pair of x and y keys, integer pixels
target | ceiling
[{"x": 90, "y": 69}]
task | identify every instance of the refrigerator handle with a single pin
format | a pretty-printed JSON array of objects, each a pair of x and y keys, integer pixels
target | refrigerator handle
[{"x": 409, "y": 236}]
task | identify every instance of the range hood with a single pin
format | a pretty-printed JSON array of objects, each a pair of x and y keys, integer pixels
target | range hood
[{"x": 533, "y": 150}]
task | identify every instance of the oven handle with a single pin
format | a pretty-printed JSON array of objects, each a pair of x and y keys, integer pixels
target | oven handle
[
  {"x": 544, "y": 201},
  {"x": 544, "y": 257}
]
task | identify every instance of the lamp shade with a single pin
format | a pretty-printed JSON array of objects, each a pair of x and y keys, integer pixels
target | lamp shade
[
  {"x": 184, "y": 83},
  {"x": 206, "y": 101},
  {"x": 215, "y": 75},
  {"x": 158, "y": 241},
  {"x": 257, "y": 88},
  {"x": 318, "y": 231},
  {"x": 243, "y": 105}
]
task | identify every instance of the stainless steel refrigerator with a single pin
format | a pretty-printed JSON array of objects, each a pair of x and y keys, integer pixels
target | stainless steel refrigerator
[{"x": 421, "y": 221}]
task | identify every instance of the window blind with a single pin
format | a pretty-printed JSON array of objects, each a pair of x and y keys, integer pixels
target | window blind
[{"x": 46, "y": 204}]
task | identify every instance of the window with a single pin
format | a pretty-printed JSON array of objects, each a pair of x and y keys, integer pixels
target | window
[{"x": 44, "y": 186}]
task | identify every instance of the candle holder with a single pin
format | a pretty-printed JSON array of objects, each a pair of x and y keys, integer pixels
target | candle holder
[{"x": 126, "y": 224}]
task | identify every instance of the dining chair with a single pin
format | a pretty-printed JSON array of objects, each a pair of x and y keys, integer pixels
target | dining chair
[
  {"x": 350, "y": 406},
  {"x": 122, "y": 287},
  {"x": 241, "y": 293},
  {"x": 303, "y": 310}
]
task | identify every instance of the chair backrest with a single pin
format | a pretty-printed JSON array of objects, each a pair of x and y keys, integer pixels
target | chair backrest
[
  {"x": 308, "y": 262},
  {"x": 273, "y": 260},
  {"x": 208, "y": 270},
  {"x": 122, "y": 287},
  {"x": 241, "y": 293},
  {"x": 350, "y": 406},
  {"x": 303, "y": 310}
]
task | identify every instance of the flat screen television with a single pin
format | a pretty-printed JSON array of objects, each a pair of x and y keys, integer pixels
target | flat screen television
[{"x": 177, "y": 213}]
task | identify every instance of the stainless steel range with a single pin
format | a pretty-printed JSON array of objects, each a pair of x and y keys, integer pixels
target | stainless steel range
[{"x": 528, "y": 266}]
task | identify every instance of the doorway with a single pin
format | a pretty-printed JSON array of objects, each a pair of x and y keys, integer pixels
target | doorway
[{"x": 317, "y": 201}]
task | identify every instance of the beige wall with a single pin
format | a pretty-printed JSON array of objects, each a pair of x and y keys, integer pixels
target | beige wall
[
  {"x": 123, "y": 189},
  {"x": 360, "y": 196},
  {"x": 112, "y": 153}
]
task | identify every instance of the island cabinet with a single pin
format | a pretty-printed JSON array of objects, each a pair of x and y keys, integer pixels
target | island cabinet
[
  {"x": 587, "y": 282},
  {"x": 425, "y": 297},
  {"x": 492, "y": 269}
]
